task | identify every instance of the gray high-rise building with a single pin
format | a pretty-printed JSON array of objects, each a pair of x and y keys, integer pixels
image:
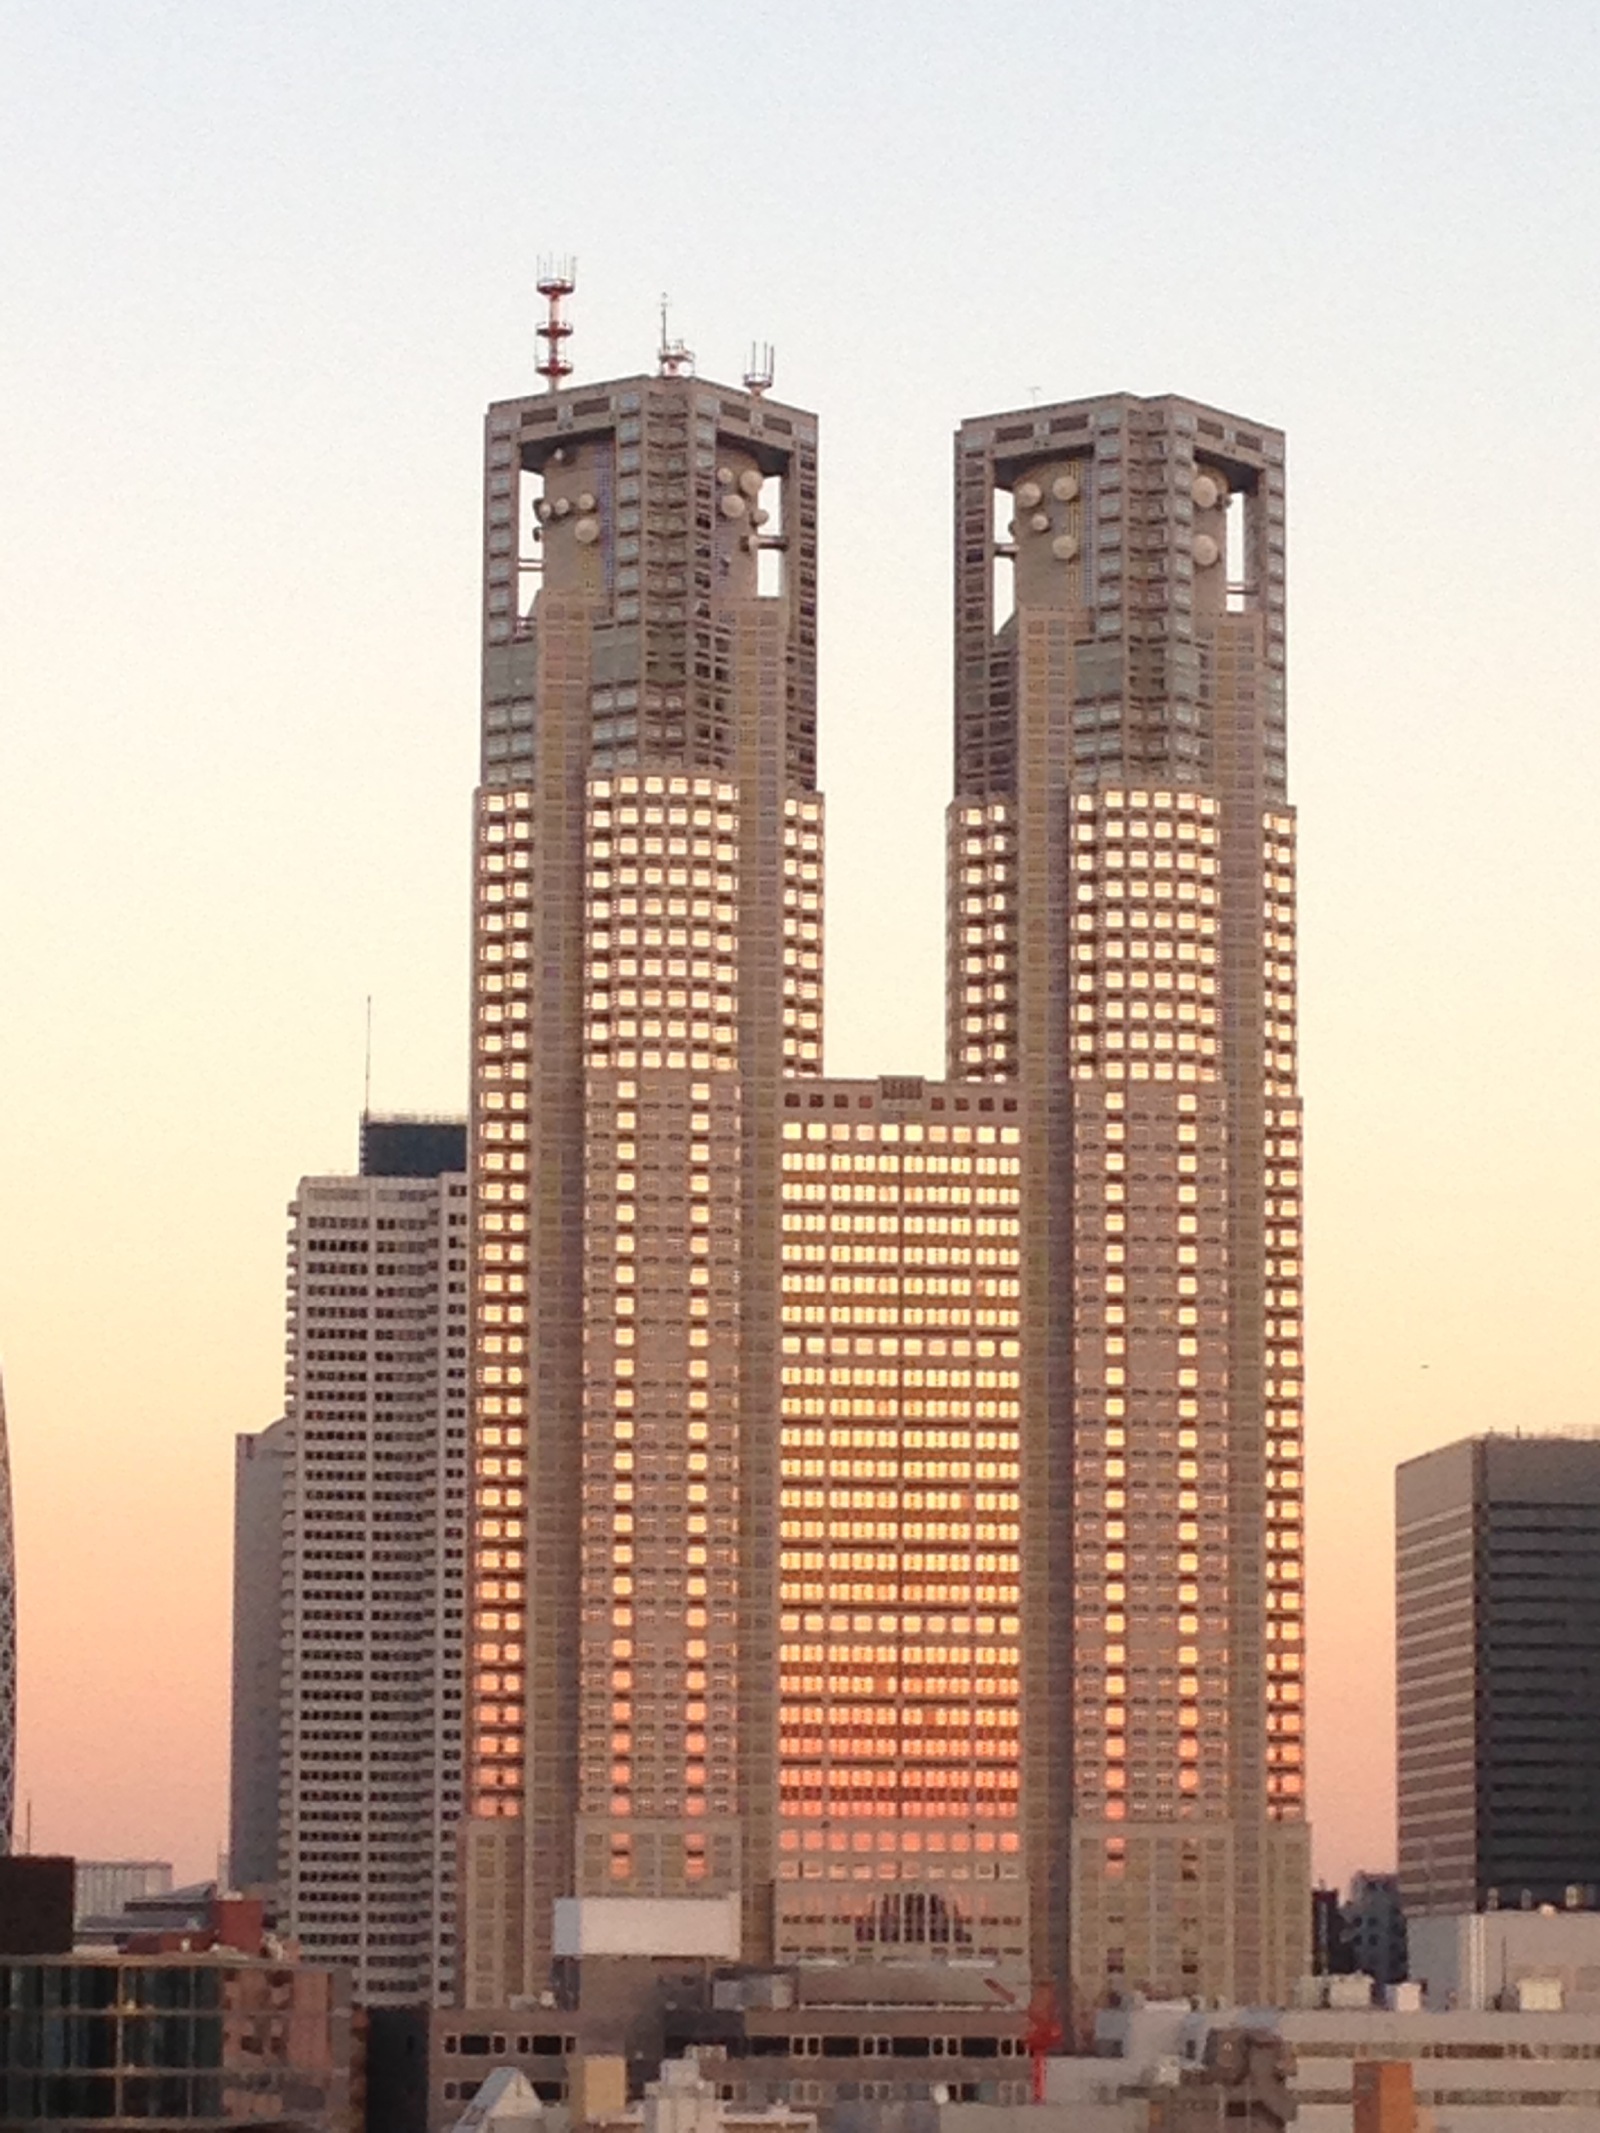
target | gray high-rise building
[
  {"x": 887, "y": 1535},
  {"x": 257, "y": 1686},
  {"x": 1498, "y": 1617},
  {"x": 350, "y": 1573}
]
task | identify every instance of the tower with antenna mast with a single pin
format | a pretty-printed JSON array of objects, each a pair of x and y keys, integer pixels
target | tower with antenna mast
[
  {"x": 759, "y": 372},
  {"x": 674, "y": 358},
  {"x": 557, "y": 280},
  {"x": 663, "y": 674}
]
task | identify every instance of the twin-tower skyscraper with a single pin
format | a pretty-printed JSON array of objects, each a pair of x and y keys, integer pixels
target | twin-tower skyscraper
[{"x": 886, "y": 1527}]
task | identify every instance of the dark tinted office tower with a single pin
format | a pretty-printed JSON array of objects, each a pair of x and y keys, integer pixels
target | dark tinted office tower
[
  {"x": 1122, "y": 949},
  {"x": 1498, "y": 1593}
]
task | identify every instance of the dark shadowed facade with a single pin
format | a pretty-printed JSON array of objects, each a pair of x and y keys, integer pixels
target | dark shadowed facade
[{"x": 1498, "y": 1588}]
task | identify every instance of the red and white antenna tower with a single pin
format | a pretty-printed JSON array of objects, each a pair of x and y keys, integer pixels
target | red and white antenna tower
[
  {"x": 759, "y": 373},
  {"x": 557, "y": 279}
]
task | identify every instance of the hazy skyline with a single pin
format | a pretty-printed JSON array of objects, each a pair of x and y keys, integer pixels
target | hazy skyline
[{"x": 263, "y": 270}]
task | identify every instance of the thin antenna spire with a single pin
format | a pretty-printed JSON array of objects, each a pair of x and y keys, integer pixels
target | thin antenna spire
[
  {"x": 366, "y": 1078},
  {"x": 673, "y": 358},
  {"x": 758, "y": 373},
  {"x": 557, "y": 279}
]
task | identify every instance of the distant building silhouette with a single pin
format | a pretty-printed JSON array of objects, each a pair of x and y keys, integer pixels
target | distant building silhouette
[
  {"x": 8, "y": 1641},
  {"x": 1374, "y": 1928},
  {"x": 253, "y": 1788},
  {"x": 1330, "y": 1949}
]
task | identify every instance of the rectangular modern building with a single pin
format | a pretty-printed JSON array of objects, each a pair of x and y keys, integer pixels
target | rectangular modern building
[
  {"x": 203, "y": 2042},
  {"x": 351, "y": 1511},
  {"x": 887, "y": 1495},
  {"x": 1498, "y": 1611}
]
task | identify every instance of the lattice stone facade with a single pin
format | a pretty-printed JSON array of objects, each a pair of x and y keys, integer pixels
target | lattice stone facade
[
  {"x": 888, "y": 1495},
  {"x": 648, "y": 975},
  {"x": 1122, "y": 948}
]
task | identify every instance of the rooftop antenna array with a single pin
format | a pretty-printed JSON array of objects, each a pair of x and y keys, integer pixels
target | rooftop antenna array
[
  {"x": 557, "y": 280},
  {"x": 758, "y": 374},
  {"x": 673, "y": 358}
]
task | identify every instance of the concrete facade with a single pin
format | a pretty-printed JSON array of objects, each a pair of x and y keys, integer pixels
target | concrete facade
[
  {"x": 887, "y": 1496},
  {"x": 254, "y": 1772},
  {"x": 1470, "y": 2072},
  {"x": 102, "y": 1886},
  {"x": 373, "y": 1575},
  {"x": 1491, "y": 1958},
  {"x": 1122, "y": 949},
  {"x": 648, "y": 971}
]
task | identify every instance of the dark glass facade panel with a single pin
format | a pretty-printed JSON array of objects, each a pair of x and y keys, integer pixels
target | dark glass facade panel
[
  {"x": 1499, "y": 1674},
  {"x": 412, "y": 1147},
  {"x": 114, "y": 2043}
]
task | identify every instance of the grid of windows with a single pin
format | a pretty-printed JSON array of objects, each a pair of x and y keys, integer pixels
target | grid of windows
[
  {"x": 374, "y": 1575},
  {"x": 899, "y": 1573},
  {"x": 504, "y": 916},
  {"x": 1145, "y": 899},
  {"x": 983, "y": 920}
]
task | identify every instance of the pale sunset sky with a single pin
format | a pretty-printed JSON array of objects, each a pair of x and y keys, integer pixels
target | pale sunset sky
[{"x": 262, "y": 262}]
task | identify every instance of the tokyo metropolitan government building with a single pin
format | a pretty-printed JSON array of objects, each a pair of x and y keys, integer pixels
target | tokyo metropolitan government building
[{"x": 887, "y": 1494}]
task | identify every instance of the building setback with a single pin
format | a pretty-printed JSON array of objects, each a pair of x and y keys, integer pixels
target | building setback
[
  {"x": 365, "y": 1478},
  {"x": 1498, "y": 1606},
  {"x": 887, "y": 1495}
]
